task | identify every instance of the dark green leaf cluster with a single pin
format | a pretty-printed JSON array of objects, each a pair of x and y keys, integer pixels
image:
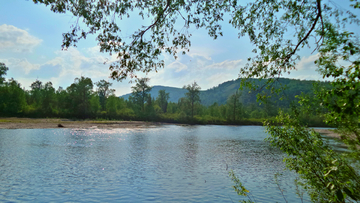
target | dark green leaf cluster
[{"x": 3, "y": 70}]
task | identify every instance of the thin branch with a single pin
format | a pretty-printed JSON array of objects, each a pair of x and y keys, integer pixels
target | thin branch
[
  {"x": 181, "y": 15},
  {"x": 323, "y": 31},
  {"x": 318, "y": 2},
  {"x": 317, "y": 44},
  {"x": 141, "y": 34}
]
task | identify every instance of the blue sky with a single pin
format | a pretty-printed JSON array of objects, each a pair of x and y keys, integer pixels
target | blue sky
[{"x": 30, "y": 45}]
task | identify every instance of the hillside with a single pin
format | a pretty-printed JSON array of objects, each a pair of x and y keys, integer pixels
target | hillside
[
  {"x": 221, "y": 92},
  {"x": 175, "y": 93}
]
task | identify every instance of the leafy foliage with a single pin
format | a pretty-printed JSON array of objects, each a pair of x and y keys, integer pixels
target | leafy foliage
[
  {"x": 192, "y": 97},
  {"x": 140, "y": 92},
  {"x": 12, "y": 98},
  {"x": 162, "y": 100},
  {"x": 80, "y": 94},
  {"x": 3, "y": 70},
  {"x": 140, "y": 53},
  {"x": 235, "y": 106},
  {"x": 104, "y": 92},
  {"x": 240, "y": 189},
  {"x": 328, "y": 176}
]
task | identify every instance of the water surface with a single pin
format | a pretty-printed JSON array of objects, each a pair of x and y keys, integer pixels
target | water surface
[{"x": 162, "y": 164}]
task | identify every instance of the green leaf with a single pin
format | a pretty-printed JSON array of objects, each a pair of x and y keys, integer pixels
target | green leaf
[
  {"x": 339, "y": 195},
  {"x": 349, "y": 193}
]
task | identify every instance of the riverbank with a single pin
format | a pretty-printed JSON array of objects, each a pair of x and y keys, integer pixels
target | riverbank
[
  {"x": 41, "y": 123},
  {"x": 328, "y": 133}
]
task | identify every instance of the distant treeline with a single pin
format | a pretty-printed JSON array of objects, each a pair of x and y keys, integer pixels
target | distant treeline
[{"x": 81, "y": 101}]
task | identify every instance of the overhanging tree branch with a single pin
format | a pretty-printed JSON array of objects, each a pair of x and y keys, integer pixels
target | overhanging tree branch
[
  {"x": 160, "y": 16},
  {"x": 318, "y": 16}
]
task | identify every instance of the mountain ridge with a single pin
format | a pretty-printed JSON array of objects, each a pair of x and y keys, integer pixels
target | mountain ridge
[{"x": 221, "y": 92}]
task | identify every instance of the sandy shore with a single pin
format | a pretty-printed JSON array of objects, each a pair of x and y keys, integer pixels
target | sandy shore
[
  {"x": 31, "y": 123},
  {"x": 328, "y": 132}
]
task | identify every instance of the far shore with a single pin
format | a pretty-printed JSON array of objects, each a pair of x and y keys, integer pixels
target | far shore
[{"x": 42, "y": 123}]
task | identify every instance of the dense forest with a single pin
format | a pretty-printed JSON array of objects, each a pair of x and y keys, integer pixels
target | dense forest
[{"x": 85, "y": 99}]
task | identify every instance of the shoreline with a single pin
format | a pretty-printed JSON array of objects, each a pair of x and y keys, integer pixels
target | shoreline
[
  {"x": 328, "y": 133},
  {"x": 42, "y": 123},
  {"x": 46, "y": 123}
]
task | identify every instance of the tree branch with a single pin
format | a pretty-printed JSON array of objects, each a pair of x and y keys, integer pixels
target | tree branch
[
  {"x": 141, "y": 34},
  {"x": 318, "y": 5}
]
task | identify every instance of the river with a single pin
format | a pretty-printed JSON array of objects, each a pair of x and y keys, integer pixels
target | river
[{"x": 169, "y": 163}]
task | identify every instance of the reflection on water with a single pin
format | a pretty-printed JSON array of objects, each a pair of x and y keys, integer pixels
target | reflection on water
[{"x": 163, "y": 164}]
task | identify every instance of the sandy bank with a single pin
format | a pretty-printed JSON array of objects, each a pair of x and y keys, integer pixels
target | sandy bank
[
  {"x": 31, "y": 123},
  {"x": 328, "y": 132}
]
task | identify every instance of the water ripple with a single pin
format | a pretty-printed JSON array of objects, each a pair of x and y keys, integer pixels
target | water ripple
[{"x": 159, "y": 164}]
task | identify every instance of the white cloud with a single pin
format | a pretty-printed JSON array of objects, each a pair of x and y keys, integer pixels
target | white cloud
[
  {"x": 235, "y": 64},
  {"x": 55, "y": 61},
  {"x": 206, "y": 56},
  {"x": 205, "y": 52},
  {"x": 219, "y": 78},
  {"x": 177, "y": 66},
  {"x": 16, "y": 40},
  {"x": 200, "y": 68},
  {"x": 95, "y": 54},
  {"x": 22, "y": 66},
  {"x": 62, "y": 69},
  {"x": 307, "y": 62}
]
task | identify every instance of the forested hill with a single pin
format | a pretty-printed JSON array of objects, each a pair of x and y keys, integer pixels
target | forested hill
[
  {"x": 220, "y": 93},
  {"x": 175, "y": 93}
]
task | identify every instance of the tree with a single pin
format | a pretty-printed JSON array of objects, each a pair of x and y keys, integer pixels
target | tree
[
  {"x": 114, "y": 105},
  {"x": 12, "y": 98},
  {"x": 3, "y": 70},
  {"x": 104, "y": 92},
  {"x": 214, "y": 110},
  {"x": 149, "y": 108},
  {"x": 162, "y": 100},
  {"x": 80, "y": 94},
  {"x": 140, "y": 92},
  {"x": 48, "y": 98},
  {"x": 35, "y": 94},
  {"x": 111, "y": 106},
  {"x": 172, "y": 107},
  {"x": 42, "y": 98},
  {"x": 234, "y": 105},
  {"x": 63, "y": 101},
  {"x": 95, "y": 106},
  {"x": 192, "y": 96}
]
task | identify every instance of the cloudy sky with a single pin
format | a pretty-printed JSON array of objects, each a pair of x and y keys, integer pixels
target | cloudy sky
[{"x": 30, "y": 45}]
